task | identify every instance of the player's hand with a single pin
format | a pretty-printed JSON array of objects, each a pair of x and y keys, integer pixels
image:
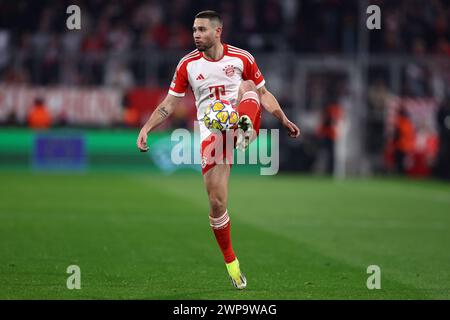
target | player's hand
[
  {"x": 142, "y": 141},
  {"x": 293, "y": 130}
]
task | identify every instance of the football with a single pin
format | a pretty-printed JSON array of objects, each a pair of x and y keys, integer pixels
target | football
[{"x": 220, "y": 115}]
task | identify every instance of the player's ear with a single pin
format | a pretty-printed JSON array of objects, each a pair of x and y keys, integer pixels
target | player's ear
[{"x": 219, "y": 31}]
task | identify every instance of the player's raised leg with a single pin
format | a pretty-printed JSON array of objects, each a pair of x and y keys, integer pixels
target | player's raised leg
[
  {"x": 249, "y": 114},
  {"x": 216, "y": 182}
]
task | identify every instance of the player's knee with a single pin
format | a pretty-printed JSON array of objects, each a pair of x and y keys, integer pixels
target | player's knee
[
  {"x": 247, "y": 85},
  {"x": 218, "y": 204}
]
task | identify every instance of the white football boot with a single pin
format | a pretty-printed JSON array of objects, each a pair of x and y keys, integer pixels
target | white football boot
[{"x": 246, "y": 134}]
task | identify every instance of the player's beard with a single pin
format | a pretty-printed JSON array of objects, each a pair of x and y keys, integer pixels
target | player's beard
[{"x": 204, "y": 46}]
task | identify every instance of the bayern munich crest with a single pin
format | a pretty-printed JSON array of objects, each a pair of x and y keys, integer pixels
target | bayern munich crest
[{"x": 229, "y": 70}]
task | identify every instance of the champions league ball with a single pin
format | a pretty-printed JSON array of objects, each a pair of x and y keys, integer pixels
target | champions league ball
[{"x": 220, "y": 115}]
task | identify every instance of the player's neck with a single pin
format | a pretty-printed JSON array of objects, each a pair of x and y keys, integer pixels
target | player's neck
[{"x": 215, "y": 52}]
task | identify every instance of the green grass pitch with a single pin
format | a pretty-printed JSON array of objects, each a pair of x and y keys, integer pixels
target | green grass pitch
[{"x": 147, "y": 236}]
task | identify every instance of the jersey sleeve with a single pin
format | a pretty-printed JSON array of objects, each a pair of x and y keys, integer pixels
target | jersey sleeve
[
  {"x": 252, "y": 72},
  {"x": 179, "y": 82}
]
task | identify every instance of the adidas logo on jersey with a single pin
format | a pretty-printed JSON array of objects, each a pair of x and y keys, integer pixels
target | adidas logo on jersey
[{"x": 200, "y": 77}]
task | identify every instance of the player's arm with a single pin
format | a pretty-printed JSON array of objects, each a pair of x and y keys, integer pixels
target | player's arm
[
  {"x": 270, "y": 103},
  {"x": 161, "y": 113}
]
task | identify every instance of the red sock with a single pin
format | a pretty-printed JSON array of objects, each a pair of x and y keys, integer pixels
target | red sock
[
  {"x": 250, "y": 107},
  {"x": 221, "y": 229}
]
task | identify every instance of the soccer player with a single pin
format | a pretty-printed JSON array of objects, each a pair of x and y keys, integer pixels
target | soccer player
[{"x": 219, "y": 71}]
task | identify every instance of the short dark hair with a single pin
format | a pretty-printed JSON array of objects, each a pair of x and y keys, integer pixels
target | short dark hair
[{"x": 209, "y": 14}]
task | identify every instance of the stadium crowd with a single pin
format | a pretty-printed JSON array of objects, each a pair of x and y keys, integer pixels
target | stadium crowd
[{"x": 37, "y": 48}]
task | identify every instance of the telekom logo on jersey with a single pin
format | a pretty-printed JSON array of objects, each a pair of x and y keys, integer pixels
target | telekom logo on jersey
[{"x": 216, "y": 91}]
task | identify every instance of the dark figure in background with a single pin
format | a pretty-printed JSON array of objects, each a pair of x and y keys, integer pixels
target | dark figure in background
[
  {"x": 328, "y": 132},
  {"x": 9, "y": 119},
  {"x": 404, "y": 139},
  {"x": 131, "y": 116},
  {"x": 442, "y": 169}
]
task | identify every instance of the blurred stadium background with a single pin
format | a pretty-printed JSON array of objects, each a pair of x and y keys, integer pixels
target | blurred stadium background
[{"x": 373, "y": 106}]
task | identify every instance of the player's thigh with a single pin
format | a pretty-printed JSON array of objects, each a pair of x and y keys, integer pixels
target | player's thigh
[{"x": 216, "y": 181}]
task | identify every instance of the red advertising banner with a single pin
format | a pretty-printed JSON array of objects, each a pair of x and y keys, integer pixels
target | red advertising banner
[
  {"x": 145, "y": 100},
  {"x": 98, "y": 107},
  {"x": 92, "y": 106}
]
